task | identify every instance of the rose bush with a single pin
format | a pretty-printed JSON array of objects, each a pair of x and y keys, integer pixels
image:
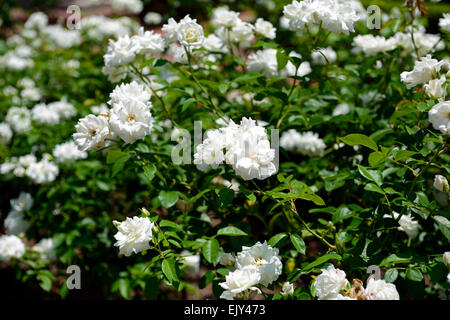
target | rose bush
[{"x": 279, "y": 156}]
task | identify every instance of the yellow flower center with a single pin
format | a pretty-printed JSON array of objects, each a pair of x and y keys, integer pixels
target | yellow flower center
[
  {"x": 131, "y": 118},
  {"x": 191, "y": 35}
]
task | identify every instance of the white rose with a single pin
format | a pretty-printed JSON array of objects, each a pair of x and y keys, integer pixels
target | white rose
[
  {"x": 25, "y": 201},
  {"x": 330, "y": 282},
  {"x": 439, "y": 116},
  {"x": 5, "y": 133},
  {"x": 134, "y": 235},
  {"x": 227, "y": 259},
  {"x": 435, "y": 88},
  {"x": 16, "y": 223},
  {"x": 43, "y": 171},
  {"x": 92, "y": 132},
  {"x": 120, "y": 52},
  {"x": 424, "y": 70},
  {"x": 19, "y": 118},
  {"x": 287, "y": 289},
  {"x": 189, "y": 32},
  {"x": 131, "y": 121},
  {"x": 407, "y": 224},
  {"x": 380, "y": 290},
  {"x": 265, "y": 28},
  {"x": 68, "y": 152},
  {"x": 152, "y": 18},
  {"x": 222, "y": 17},
  {"x": 11, "y": 247},
  {"x": 46, "y": 248},
  {"x": 239, "y": 281},
  {"x": 339, "y": 297},
  {"x": 264, "y": 258},
  {"x": 191, "y": 262}
]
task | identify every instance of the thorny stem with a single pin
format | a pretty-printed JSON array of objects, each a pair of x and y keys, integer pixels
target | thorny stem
[
  {"x": 229, "y": 42},
  {"x": 317, "y": 35},
  {"x": 220, "y": 113},
  {"x": 139, "y": 74},
  {"x": 159, "y": 229},
  {"x": 411, "y": 13},
  {"x": 389, "y": 205},
  {"x": 440, "y": 151},
  {"x": 294, "y": 209},
  {"x": 281, "y": 116},
  {"x": 404, "y": 165},
  {"x": 316, "y": 40}
]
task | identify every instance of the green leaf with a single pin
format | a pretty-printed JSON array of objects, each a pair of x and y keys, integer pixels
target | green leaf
[
  {"x": 170, "y": 270},
  {"x": 341, "y": 214},
  {"x": 231, "y": 231},
  {"x": 238, "y": 60},
  {"x": 251, "y": 197},
  {"x": 298, "y": 243},
  {"x": 187, "y": 103},
  {"x": 152, "y": 288},
  {"x": 282, "y": 59},
  {"x": 371, "y": 175},
  {"x": 223, "y": 271},
  {"x": 223, "y": 87},
  {"x": 118, "y": 159},
  {"x": 168, "y": 198},
  {"x": 199, "y": 195},
  {"x": 159, "y": 62},
  {"x": 247, "y": 77},
  {"x": 303, "y": 296},
  {"x": 394, "y": 259},
  {"x": 277, "y": 94},
  {"x": 124, "y": 288},
  {"x": 118, "y": 165},
  {"x": 444, "y": 225},
  {"x": 391, "y": 275},
  {"x": 311, "y": 197},
  {"x": 414, "y": 274},
  {"x": 276, "y": 239},
  {"x": 64, "y": 291},
  {"x": 225, "y": 197},
  {"x": 114, "y": 155},
  {"x": 175, "y": 243},
  {"x": 258, "y": 44},
  {"x": 45, "y": 282},
  {"x": 373, "y": 188},
  {"x": 149, "y": 171},
  {"x": 211, "y": 251},
  {"x": 356, "y": 138},
  {"x": 335, "y": 181},
  {"x": 269, "y": 45},
  {"x": 376, "y": 158},
  {"x": 404, "y": 154},
  {"x": 376, "y": 136},
  {"x": 322, "y": 260},
  {"x": 169, "y": 224},
  {"x": 206, "y": 279}
]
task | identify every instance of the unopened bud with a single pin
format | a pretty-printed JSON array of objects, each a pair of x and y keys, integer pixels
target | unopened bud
[
  {"x": 446, "y": 258},
  {"x": 290, "y": 265},
  {"x": 227, "y": 259},
  {"x": 440, "y": 183},
  {"x": 145, "y": 212}
]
